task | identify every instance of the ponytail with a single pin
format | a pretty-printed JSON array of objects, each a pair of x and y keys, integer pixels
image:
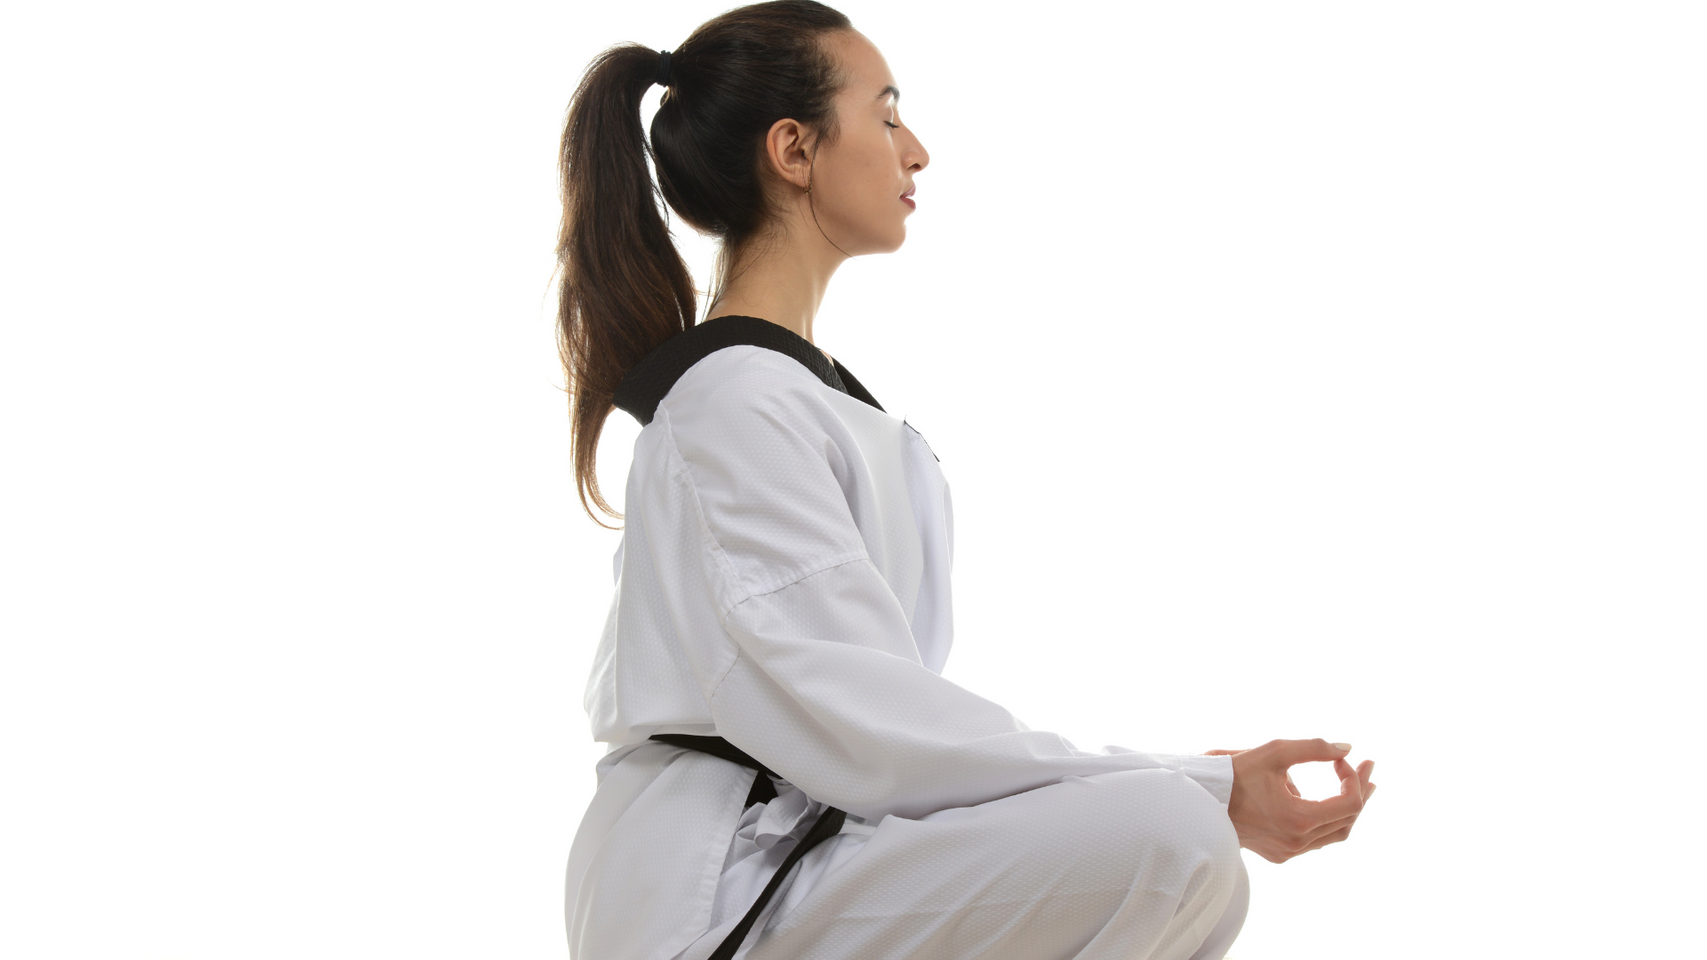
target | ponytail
[{"x": 625, "y": 287}]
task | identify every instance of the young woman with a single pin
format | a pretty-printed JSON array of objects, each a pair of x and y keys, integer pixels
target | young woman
[{"x": 789, "y": 774}]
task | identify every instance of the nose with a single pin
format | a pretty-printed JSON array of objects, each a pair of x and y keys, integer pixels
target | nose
[{"x": 918, "y": 158}]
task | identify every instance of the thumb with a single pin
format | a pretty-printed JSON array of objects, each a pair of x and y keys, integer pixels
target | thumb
[{"x": 1304, "y": 751}]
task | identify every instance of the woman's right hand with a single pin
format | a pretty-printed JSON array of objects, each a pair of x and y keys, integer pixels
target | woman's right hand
[{"x": 1267, "y": 811}]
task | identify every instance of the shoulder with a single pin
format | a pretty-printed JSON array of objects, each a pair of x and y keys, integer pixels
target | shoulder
[
  {"x": 742, "y": 373},
  {"x": 763, "y": 456},
  {"x": 748, "y": 392}
]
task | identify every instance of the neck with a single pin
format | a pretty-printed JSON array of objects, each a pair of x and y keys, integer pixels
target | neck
[{"x": 784, "y": 282}]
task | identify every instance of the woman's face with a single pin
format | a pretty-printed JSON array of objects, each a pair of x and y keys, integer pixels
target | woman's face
[{"x": 857, "y": 184}]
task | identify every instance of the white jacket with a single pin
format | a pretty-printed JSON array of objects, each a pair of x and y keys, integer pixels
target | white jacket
[{"x": 782, "y": 582}]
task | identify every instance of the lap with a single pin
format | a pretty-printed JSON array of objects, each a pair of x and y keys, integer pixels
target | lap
[{"x": 1139, "y": 863}]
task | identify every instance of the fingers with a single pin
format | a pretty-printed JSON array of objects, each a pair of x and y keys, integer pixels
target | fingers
[
  {"x": 1290, "y": 752},
  {"x": 1334, "y": 837},
  {"x": 1363, "y": 771},
  {"x": 1292, "y": 788},
  {"x": 1350, "y": 799},
  {"x": 1359, "y": 778},
  {"x": 1336, "y": 830},
  {"x": 1280, "y": 850},
  {"x": 1333, "y": 826}
]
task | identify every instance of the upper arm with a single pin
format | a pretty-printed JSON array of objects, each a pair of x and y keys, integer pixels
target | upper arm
[{"x": 764, "y": 457}]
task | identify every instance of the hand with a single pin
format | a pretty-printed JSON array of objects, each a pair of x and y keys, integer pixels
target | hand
[
  {"x": 1290, "y": 786},
  {"x": 1270, "y": 816}
]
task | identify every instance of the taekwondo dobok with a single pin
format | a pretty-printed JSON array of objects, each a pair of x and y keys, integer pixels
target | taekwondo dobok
[{"x": 782, "y": 588}]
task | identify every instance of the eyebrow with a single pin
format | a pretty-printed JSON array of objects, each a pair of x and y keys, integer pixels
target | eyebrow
[{"x": 886, "y": 91}]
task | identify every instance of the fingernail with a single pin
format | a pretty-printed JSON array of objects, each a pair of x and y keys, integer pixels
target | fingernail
[{"x": 1342, "y": 746}]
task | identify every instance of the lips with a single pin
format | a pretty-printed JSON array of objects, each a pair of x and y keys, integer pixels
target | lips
[{"x": 908, "y": 193}]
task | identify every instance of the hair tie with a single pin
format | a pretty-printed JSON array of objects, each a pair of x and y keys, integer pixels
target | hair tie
[{"x": 663, "y": 68}]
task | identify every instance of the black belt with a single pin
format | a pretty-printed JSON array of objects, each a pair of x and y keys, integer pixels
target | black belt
[{"x": 829, "y": 824}]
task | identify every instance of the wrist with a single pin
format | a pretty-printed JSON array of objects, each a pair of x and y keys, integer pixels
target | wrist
[{"x": 1213, "y": 774}]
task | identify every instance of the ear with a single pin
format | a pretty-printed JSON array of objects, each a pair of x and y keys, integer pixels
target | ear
[{"x": 788, "y": 151}]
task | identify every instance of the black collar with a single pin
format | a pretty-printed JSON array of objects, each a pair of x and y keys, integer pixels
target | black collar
[{"x": 644, "y": 386}]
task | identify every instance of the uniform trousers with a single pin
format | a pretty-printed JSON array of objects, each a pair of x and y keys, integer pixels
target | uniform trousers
[{"x": 1134, "y": 865}]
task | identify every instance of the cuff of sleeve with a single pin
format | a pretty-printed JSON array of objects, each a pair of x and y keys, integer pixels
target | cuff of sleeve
[{"x": 1214, "y": 774}]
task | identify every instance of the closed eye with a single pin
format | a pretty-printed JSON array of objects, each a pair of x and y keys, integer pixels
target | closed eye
[{"x": 892, "y": 126}]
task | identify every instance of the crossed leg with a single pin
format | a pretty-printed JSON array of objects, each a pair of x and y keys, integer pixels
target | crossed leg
[{"x": 1139, "y": 865}]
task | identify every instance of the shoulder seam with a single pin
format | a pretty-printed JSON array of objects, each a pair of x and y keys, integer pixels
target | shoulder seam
[
  {"x": 740, "y": 591},
  {"x": 679, "y": 465},
  {"x": 827, "y": 566},
  {"x": 754, "y": 595}
]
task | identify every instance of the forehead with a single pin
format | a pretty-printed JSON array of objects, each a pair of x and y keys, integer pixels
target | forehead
[{"x": 865, "y": 72}]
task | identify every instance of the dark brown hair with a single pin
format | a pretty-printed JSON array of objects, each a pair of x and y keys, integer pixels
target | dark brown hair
[{"x": 625, "y": 288}]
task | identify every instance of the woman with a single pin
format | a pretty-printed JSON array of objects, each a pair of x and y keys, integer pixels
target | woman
[{"x": 790, "y": 776}]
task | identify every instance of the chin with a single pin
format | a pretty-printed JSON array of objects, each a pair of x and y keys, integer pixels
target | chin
[
  {"x": 887, "y": 241},
  {"x": 872, "y": 249}
]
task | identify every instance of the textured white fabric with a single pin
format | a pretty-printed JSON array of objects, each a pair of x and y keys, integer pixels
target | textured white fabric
[{"x": 783, "y": 582}]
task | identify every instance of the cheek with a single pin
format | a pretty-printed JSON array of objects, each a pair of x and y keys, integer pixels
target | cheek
[
  {"x": 869, "y": 175},
  {"x": 877, "y": 179}
]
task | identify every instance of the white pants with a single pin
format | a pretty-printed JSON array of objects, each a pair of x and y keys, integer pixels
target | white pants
[{"x": 1133, "y": 865}]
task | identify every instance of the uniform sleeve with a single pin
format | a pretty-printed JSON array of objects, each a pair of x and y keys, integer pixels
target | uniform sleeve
[{"x": 821, "y": 678}]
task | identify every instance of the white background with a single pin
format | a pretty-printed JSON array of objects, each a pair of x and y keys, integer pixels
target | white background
[{"x": 1326, "y": 369}]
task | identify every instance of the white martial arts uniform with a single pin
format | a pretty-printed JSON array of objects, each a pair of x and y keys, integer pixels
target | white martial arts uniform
[{"x": 783, "y": 582}]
